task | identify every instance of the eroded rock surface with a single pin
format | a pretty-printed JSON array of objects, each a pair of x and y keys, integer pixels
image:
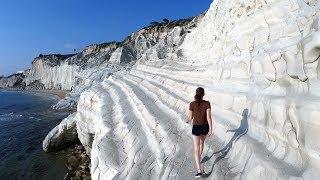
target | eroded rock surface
[
  {"x": 259, "y": 64},
  {"x": 15, "y": 81},
  {"x": 62, "y": 134}
]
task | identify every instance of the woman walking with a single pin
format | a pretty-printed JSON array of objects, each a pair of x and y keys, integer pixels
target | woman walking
[{"x": 200, "y": 116}]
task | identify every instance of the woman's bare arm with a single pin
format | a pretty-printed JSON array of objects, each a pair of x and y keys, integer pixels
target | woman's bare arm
[
  {"x": 190, "y": 116},
  {"x": 209, "y": 121}
]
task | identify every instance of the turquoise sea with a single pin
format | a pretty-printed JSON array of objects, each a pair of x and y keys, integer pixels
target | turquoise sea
[{"x": 25, "y": 120}]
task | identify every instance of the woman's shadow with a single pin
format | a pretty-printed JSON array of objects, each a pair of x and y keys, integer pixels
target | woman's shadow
[{"x": 242, "y": 130}]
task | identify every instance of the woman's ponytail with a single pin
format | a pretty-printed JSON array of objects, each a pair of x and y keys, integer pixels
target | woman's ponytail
[{"x": 199, "y": 95}]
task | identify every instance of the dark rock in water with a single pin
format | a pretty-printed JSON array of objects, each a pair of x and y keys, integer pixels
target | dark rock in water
[
  {"x": 66, "y": 176},
  {"x": 83, "y": 159},
  {"x": 85, "y": 177},
  {"x": 72, "y": 161},
  {"x": 77, "y": 162},
  {"x": 78, "y": 174},
  {"x": 75, "y": 178}
]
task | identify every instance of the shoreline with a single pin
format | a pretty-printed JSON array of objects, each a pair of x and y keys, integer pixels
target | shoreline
[
  {"x": 24, "y": 156},
  {"x": 76, "y": 161},
  {"x": 61, "y": 94}
]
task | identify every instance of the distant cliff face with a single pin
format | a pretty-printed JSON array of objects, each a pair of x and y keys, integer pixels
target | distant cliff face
[
  {"x": 52, "y": 72},
  {"x": 62, "y": 71},
  {"x": 15, "y": 81}
]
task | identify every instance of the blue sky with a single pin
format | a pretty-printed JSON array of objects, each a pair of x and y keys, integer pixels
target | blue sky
[{"x": 31, "y": 27}]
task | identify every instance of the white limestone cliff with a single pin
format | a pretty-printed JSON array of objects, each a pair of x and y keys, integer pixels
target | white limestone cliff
[
  {"x": 258, "y": 61},
  {"x": 85, "y": 80},
  {"x": 52, "y": 72},
  {"x": 61, "y": 71}
]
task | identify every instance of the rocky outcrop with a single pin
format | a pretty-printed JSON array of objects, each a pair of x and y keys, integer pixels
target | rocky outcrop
[
  {"x": 15, "y": 81},
  {"x": 77, "y": 162},
  {"x": 259, "y": 64},
  {"x": 62, "y": 134},
  {"x": 35, "y": 85}
]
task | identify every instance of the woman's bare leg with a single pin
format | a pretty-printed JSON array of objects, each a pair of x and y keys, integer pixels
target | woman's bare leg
[
  {"x": 202, "y": 138},
  {"x": 196, "y": 147}
]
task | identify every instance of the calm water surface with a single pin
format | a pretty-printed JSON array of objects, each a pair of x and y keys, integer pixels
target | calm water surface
[{"x": 25, "y": 120}]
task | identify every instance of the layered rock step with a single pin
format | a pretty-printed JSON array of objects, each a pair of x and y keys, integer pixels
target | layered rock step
[
  {"x": 148, "y": 147},
  {"x": 229, "y": 104},
  {"x": 138, "y": 121},
  {"x": 222, "y": 112},
  {"x": 158, "y": 131}
]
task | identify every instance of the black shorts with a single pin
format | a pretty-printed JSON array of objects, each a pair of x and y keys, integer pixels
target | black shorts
[{"x": 199, "y": 130}]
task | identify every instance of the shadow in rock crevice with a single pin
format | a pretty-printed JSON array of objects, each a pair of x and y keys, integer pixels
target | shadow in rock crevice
[{"x": 238, "y": 133}]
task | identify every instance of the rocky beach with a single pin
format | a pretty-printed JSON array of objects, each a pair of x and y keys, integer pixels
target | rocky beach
[{"x": 77, "y": 162}]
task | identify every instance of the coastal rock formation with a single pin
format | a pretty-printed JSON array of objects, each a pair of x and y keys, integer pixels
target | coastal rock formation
[
  {"x": 258, "y": 62},
  {"x": 15, "y": 81},
  {"x": 97, "y": 62},
  {"x": 61, "y": 72},
  {"x": 85, "y": 80},
  {"x": 52, "y": 72},
  {"x": 62, "y": 134}
]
